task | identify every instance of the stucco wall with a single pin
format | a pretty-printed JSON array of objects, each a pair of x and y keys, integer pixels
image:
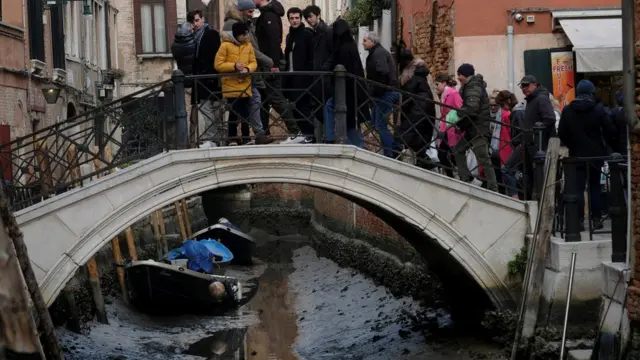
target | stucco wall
[{"x": 489, "y": 55}]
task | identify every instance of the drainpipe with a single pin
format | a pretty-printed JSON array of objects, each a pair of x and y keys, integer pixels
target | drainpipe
[
  {"x": 628, "y": 63},
  {"x": 629, "y": 106},
  {"x": 107, "y": 16},
  {"x": 511, "y": 69},
  {"x": 27, "y": 63}
]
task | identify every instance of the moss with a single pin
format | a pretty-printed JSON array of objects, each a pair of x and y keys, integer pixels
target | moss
[{"x": 518, "y": 266}]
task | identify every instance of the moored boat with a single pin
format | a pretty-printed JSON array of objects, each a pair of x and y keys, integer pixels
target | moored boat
[
  {"x": 157, "y": 287},
  {"x": 241, "y": 245}
]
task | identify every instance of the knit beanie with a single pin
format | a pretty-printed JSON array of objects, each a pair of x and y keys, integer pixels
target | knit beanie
[
  {"x": 246, "y": 5},
  {"x": 239, "y": 28},
  {"x": 585, "y": 87},
  {"x": 466, "y": 70}
]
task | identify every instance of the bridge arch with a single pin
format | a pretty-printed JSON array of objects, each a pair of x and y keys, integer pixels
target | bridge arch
[{"x": 89, "y": 217}]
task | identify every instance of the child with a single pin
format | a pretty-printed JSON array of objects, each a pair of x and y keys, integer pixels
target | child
[{"x": 236, "y": 55}]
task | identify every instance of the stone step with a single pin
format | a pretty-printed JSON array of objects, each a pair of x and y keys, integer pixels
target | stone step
[{"x": 580, "y": 354}]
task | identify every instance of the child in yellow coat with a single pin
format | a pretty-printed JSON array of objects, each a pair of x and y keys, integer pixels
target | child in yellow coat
[{"x": 235, "y": 56}]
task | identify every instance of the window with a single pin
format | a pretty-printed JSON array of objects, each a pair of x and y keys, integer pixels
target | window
[
  {"x": 0, "y": 10},
  {"x": 57, "y": 36},
  {"x": 153, "y": 27},
  {"x": 36, "y": 30}
]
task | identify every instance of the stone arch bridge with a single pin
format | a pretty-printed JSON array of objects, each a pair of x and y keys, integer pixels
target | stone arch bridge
[{"x": 478, "y": 229}]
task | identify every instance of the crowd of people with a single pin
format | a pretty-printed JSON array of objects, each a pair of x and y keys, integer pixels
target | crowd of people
[{"x": 453, "y": 120}]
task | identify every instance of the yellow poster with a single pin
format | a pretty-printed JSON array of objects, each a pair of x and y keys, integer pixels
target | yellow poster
[{"x": 563, "y": 77}]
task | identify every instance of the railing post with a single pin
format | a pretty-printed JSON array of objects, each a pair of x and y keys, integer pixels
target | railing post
[
  {"x": 538, "y": 169},
  {"x": 340, "y": 104},
  {"x": 167, "y": 127},
  {"x": 182, "y": 127},
  {"x": 570, "y": 195},
  {"x": 617, "y": 210}
]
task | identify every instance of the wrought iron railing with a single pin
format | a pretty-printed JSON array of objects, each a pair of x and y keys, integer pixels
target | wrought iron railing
[{"x": 330, "y": 107}]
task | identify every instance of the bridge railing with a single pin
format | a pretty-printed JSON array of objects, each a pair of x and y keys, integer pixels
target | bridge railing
[
  {"x": 592, "y": 197},
  {"x": 328, "y": 107}
]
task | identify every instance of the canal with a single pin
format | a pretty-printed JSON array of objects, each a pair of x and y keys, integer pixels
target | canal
[{"x": 303, "y": 307}]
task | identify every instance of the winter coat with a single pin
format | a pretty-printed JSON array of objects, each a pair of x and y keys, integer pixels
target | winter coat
[
  {"x": 451, "y": 98},
  {"x": 585, "y": 128},
  {"x": 418, "y": 113},
  {"x": 347, "y": 55},
  {"x": 269, "y": 30},
  {"x": 381, "y": 68},
  {"x": 264, "y": 62},
  {"x": 298, "y": 55},
  {"x": 539, "y": 109},
  {"x": 183, "y": 48},
  {"x": 474, "y": 113},
  {"x": 203, "y": 65},
  {"x": 231, "y": 52}
]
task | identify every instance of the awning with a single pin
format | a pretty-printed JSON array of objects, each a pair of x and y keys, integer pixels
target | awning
[{"x": 596, "y": 42}]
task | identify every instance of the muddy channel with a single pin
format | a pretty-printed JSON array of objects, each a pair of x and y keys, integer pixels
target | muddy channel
[{"x": 305, "y": 307}]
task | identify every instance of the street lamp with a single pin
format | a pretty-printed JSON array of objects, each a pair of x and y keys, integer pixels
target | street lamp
[{"x": 51, "y": 93}]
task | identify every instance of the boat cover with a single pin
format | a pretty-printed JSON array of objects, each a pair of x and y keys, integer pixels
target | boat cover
[{"x": 201, "y": 255}]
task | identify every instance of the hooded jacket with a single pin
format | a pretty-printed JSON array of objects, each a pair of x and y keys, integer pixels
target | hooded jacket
[
  {"x": 264, "y": 62},
  {"x": 269, "y": 30},
  {"x": 231, "y": 51},
  {"x": 585, "y": 128},
  {"x": 474, "y": 114},
  {"x": 419, "y": 111},
  {"x": 183, "y": 48}
]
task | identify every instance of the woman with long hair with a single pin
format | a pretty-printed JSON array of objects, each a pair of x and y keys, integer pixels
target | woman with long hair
[
  {"x": 501, "y": 140},
  {"x": 451, "y": 100}
]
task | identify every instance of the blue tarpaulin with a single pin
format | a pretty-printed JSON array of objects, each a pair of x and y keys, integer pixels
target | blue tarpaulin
[{"x": 201, "y": 255}]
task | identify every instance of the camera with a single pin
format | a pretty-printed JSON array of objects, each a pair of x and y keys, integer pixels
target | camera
[{"x": 518, "y": 17}]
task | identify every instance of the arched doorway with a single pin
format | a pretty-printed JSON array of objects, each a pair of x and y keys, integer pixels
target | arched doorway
[{"x": 71, "y": 111}]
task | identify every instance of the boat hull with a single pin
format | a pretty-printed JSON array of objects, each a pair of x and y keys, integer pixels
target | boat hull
[
  {"x": 241, "y": 245},
  {"x": 157, "y": 287}
]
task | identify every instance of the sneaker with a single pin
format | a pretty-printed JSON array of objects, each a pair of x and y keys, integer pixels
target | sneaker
[
  {"x": 264, "y": 139},
  {"x": 250, "y": 142},
  {"x": 309, "y": 140},
  {"x": 207, "y": 145},
  {"x": 296, "y": 139},
  {"x": 233, "y": 143}
]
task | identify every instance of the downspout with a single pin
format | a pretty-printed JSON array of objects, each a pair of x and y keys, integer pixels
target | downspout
[
  {"x": 27, "y": 63},
  {"x": 107, "y": 17},
  {"x": 394, "y": 22},
  {"x": 511, "y": 71},
  {"x": 629, "y": 106}
]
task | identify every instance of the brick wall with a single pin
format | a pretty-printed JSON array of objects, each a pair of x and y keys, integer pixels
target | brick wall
[
  {"x": 417, "y": 31},
  {"x": 633, "y": 301}
]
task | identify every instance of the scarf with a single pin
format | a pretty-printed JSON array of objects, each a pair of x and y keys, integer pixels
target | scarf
[
  {"x": 495, "y": 138},
  {"x": 198, "y": 38}
]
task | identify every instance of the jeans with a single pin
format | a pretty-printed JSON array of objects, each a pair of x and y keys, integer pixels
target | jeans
[
  {"x": 210, "y": 115},
  {"x": 509, "y": 170},
  {"x": 354, "y": 136},
  {"x": 588, "y": 176},
  {"x": 383, "y": 106},
  {"x": 272, "y": 96},
  {"x": 254, "y": 118},
  {"x": 240, "y": 112},
  {"x": 480, "y": 148}
]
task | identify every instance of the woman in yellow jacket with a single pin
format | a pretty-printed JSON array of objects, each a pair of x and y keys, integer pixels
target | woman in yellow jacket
[{"x": 236, "y": 55}]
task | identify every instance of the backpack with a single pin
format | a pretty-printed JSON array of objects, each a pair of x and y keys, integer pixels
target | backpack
[{"x": 183, "y": 48}]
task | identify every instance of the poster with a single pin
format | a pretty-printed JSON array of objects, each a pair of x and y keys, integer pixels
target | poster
[{"x": 563, "y": 77}]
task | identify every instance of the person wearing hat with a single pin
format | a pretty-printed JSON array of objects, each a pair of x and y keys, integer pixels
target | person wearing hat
[
  {"x": 584, "y": 127},
  {"x": 539, "y": 109},
  {"x": 243, "y": 12},
  {"x": 474, "y": 122}
]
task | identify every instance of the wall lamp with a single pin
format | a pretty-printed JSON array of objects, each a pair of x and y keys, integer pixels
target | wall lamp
[{"x": 51, "y": 93}]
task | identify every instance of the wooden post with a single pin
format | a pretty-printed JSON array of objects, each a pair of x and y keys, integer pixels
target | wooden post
[
  {"x": 155, "y": 228},
  {"x": 18, "y": 333},
  {"x": 117, "y": 257},
  {"x": 96, "y": 291},
  {"x": 131, "y": 244},
  {"x": 538, "y": 250},
  {"x": 163, "y": 230},
  {"x": 183, "y": 231},
  {"x": 187, "y": 220},
  {"x": 71, "y": 310},
  {"x": 49, "y": 337}
]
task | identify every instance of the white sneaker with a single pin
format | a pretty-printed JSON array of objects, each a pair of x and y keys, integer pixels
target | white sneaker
[
  {"x": 233, "y": 143},
  {"x": 296, "y": 139},
  {"x": 252, "y": 142},
  {"x": 476, "y": 182},
  {"x": 207, "y": 144}
]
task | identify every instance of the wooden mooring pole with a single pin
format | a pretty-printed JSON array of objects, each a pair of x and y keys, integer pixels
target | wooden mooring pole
[
  {"x": 538, "y": 249},
  {"x": 10, "y": 314}
]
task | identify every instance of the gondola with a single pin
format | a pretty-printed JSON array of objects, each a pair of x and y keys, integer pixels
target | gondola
[
  {"x": 241, "y": 245},
  {"x": 160, "y": 288}
]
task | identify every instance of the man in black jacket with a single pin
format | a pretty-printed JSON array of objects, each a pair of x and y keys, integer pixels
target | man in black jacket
[
  {"x": 322, "y": 44},
  {"x": 474, "y": 121},
  {"x": 298, "y": 56},
  {"x": 539, "y": 109},
  {"x": 268, "y": 29},
  {"x": 206, "y": 92}
]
